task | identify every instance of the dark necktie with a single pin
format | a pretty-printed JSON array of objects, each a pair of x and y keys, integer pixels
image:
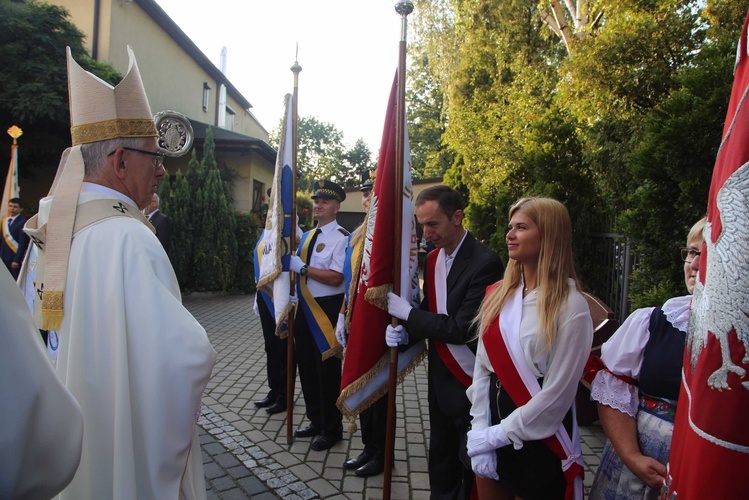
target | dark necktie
[{"x": 311, "y": 247}]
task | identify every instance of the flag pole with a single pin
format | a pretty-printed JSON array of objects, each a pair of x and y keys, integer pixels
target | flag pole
[
  {"x": 11, "y": 189},
  {"x": 404, "y": 8},
  {"x": 296, "y": 69}
]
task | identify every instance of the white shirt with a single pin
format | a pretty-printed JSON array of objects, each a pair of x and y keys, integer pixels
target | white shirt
[
  {"x": 328, "y": 253},
  {"x": 624, "y": 351},
  {"x": 561, "y": 367},
  {"x": 450, "y": 258}
]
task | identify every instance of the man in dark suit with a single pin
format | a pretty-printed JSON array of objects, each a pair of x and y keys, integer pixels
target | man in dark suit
[
  {"x": 15, "y": 241},
  {"x": 459, "y": 269},
  {"x": 161, "y": 223}
]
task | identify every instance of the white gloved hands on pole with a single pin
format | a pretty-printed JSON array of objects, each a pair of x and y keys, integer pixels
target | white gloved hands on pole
[
  {"x": 293, "y": 300},
  {"x": 296, "y": 264},
  {"x": 395, "y": 335},
  {"x": 398, "y": 307},
  {"x": 340, "y": 330},
  {"x": 254, "y": 305},
  {"x": 485, "y": 465},
  {"x": 484, "y": 440}
]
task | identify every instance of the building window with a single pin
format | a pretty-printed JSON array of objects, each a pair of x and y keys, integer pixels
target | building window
[
  {"x": 206, "y": 95},
  {"x": 258, "y": 195},
  {"x": 230, "y": 115}
]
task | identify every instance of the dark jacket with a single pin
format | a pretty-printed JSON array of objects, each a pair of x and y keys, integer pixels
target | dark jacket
[{"x": 475, "y": 267}]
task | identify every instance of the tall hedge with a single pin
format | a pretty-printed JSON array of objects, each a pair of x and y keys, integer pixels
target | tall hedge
[{"x": 211, "y": 243}]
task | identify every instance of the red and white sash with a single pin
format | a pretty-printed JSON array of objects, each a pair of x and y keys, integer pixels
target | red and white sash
[
  {"x": 458, "y": 358},
  {"x": 502, "y": 343}
]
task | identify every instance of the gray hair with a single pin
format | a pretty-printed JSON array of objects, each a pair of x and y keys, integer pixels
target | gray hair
[{"x": 95, "y": 153}]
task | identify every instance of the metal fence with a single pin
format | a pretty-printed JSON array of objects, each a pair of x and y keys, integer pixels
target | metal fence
[{"x": 617, "y": 263}]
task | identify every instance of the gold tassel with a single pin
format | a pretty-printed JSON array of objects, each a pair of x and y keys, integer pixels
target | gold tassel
[
  {"x": 52, "y": 309},
  {"x": 351, "y": 425}
]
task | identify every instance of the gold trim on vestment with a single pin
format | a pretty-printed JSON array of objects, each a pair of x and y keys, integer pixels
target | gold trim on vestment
[{"x": 112, "y": 129}]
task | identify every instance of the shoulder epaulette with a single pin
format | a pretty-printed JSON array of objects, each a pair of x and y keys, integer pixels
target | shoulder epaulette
[{"x": 343, "y": 231}]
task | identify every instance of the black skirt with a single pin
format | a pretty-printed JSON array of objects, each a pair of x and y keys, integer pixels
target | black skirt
[{"x": 533, "y": 472}]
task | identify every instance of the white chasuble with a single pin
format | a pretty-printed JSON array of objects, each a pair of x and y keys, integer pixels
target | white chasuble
[{"x": 137, "y": 362}]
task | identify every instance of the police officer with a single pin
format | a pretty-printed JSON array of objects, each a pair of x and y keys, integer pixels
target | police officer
[{"x": 319, "y": 262}]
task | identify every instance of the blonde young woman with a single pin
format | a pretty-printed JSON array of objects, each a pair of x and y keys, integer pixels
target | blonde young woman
[
  {"x": 535, "y": 338},
  {"x": 638, "y": 389}
]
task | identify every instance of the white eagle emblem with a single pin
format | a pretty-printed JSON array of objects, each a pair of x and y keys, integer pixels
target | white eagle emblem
[{"x": 722, "y": 303}]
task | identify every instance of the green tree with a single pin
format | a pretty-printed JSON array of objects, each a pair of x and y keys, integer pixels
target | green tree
[
  {"x": 176, "y": 201},
  {"x": 427, "y": 122},
  {"x": 215, "y": 244},
  {"x": 321, "y": 153},
  {"x": 673, "y": 161},
  {"x": 359, "y": 164},
  {"x": 33, "y": 81}
]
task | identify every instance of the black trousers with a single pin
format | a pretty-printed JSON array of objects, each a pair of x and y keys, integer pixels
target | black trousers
[
  {"x": 373, "y": 422},
  {"x": 449, "y": 479},
  {"x": 321, "y": 380},
  {"x": 275, "y": 353}
]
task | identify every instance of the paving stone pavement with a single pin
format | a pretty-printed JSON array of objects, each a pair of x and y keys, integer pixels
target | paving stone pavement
[{"x": 245, "y": 453}]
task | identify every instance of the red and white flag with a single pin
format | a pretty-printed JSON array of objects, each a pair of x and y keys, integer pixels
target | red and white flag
[
  {"x": 710, "y": 446},
  {"x": 366, "y": 363}
]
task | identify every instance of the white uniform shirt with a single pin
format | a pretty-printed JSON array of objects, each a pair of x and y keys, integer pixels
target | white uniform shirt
[{"x": 328, "y": 253}]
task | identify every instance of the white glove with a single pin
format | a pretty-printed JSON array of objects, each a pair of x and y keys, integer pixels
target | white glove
[
  {"x": 395, "y": 335},
  {"x": 254, "y": 305},
  {"x": 293, "y": 300},
  {"x": 483, "y": 440},
  {"x": 295, "y": 264},
  {"x": 485, "y": 465},
  {"x": 398, "y": 307},
  {"x": 340, "y": 330}
]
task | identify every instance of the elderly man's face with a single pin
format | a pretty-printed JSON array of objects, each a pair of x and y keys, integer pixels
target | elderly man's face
[
  {"x": 325, "y": 210},
  {"x": 143, "y": 174}
]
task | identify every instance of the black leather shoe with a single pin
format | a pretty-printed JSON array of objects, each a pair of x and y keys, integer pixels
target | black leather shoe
[
  {"x": 265, "y": 402},
  {"x": 371, "y": 468},
  {"x": 278, "y": 407},
  {"x": 309, "y": 431},
  {"x": 357, "y": 462},
  {"x": 323, "y": 442}
]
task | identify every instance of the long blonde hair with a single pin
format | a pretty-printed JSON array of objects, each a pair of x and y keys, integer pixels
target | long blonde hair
[{"x": 555, "y": 267}]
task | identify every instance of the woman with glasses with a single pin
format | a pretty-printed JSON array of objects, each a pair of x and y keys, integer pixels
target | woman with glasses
[{"x": 638, "y": 388}]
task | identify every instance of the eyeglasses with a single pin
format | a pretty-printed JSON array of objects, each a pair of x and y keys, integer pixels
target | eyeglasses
[
  {"x": 689, "y": 254},
  {"x": 158, "y": 157}
]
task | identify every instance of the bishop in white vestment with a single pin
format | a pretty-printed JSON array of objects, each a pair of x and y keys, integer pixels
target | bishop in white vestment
[{"x": 130, "y": 353}]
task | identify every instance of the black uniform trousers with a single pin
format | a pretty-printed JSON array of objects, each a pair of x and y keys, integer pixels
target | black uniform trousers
[
  {"x": 373, "y": 422},
  {"x": 275, "y": 353},
  {"x": 321, "y": 380}
]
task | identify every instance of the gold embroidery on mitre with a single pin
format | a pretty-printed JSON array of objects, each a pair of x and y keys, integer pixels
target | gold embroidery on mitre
[{"x": 112, "y": 129}]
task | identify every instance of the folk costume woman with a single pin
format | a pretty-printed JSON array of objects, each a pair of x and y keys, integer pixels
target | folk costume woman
[
  {"x": 637, "y": 390},
  {"x": 535, "y": 338}
]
